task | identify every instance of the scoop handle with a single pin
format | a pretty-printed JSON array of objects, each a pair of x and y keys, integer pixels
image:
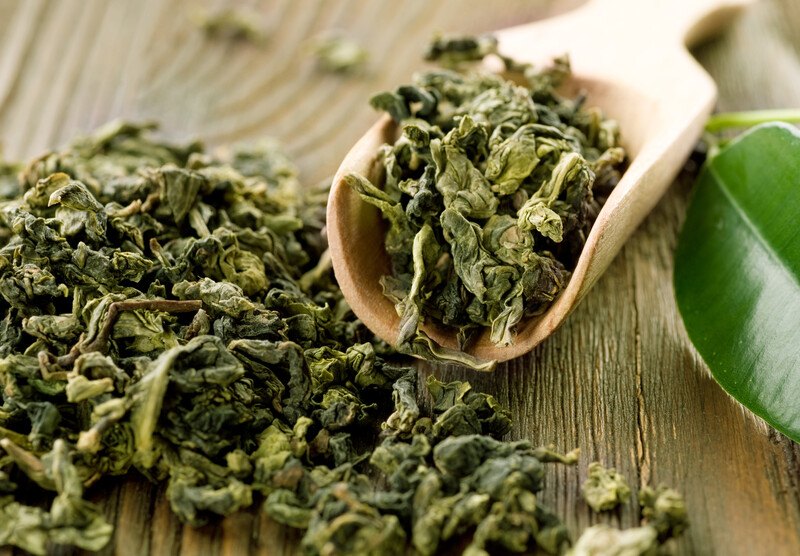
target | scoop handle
[
  {"x": 687, "y": 22},
  {"x": 620, "y": 37}
]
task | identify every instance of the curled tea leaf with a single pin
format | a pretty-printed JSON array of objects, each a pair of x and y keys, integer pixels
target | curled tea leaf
[
  {"x": 233, "y": 24},
  {"x": 604, "y": 489},
  {"x": 340, "y": 54},
  {"x": 602, "y": 540},
  {"x": 451, "y": 51},
  {"x": 664, "y": 510}
]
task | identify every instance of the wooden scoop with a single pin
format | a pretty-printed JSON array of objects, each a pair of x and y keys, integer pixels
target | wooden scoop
[{"x": 629, "y": 56}]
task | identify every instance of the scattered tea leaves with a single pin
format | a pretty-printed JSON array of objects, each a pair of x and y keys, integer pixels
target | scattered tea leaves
[
  {"x": 339, "y": 54},
  {"x": 664, "y": 518},
  {"x": 174, "y": 312},
  {"x": 603, "y": 540},
  {"x": 235, "y": 24},
  {"x": 663, "y": 509}
]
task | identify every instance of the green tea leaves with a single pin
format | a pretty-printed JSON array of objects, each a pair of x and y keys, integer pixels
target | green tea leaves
[
  {"x": 71, "y": 519},
  {"x": 201, "y": 339},
  {"x": 737, "y": 272},
  {"x": 604, "y": 489},
  {"x": 451, "y": 51},
  {"x": 339, "y": 54},
  {"x": 497, "y": 179}
]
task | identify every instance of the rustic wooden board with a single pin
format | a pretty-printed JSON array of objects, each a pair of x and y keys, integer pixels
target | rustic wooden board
[{"x": 620, "y": 379}]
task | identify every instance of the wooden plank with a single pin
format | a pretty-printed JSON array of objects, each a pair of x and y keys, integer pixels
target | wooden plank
[
  {"x": 620, "y": 379},
  {"x": 165, "y": 528},
  {"x": 134, "y": 517}
]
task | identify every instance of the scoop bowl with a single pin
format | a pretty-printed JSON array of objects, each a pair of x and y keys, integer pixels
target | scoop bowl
[{"x": 629, "y": 57}]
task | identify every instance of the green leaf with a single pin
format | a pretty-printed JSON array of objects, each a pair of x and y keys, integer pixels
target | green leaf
[{"x": 737, "y": 272}]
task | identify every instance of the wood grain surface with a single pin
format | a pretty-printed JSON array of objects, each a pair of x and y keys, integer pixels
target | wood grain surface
[{"x": 620, "y": 379}]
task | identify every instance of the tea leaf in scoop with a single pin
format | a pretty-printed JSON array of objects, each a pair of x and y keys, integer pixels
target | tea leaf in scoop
[
  {"x": 425, "y": 254},
  {"x": 513, "y": 160},
  {"x": 488, "y": 193},
  {"x": 423, "y": 347},
  {"x": 400, "y": 236},
  {"x": 451, "y": 51}
]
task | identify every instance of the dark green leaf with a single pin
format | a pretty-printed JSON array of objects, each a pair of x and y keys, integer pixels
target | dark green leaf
[{"x": 737, "y": 272}]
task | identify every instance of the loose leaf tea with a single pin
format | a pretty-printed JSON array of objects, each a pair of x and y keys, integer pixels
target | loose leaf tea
[
  {"x": 235, "y": 24},
  {"x": 604, "y": 489},
  {"x": 663, "y": 509},
  {"x": 603, "y": 540},
  {"x": 664, "y": 517},
  {"x": 339, "y": 54},
  {"x": 453, "y": 51},
  {"x": 174, "y": 312},
  {"x": 489, "y": 192}
]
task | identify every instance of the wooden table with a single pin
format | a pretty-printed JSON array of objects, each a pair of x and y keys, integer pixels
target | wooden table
[{"x": 620, "y": 379}]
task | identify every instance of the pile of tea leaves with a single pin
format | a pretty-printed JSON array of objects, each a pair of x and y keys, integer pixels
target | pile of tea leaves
[
  {"x": 173, "y": 312},
  {"x": 489, "y": 192}
]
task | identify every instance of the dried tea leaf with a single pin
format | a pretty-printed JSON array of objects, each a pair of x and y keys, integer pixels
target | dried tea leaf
[
  {"x": 664, "y": 510},
  {"x": 663, "y": 513},
  {"x": 604, "y": 489},
  {"x": 452, "y": 51},
  {"x": 339, "y": 54},
  {"x": 235, "y": 24},
  {"x": 175, "y": 312},
  {"x": 488, "y": 193},
  {"x": 71, "y": 520},
  {"x": 602, "y": 540}
]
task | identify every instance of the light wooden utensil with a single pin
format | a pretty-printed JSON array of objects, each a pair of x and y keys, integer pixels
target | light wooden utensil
[{"x": 630, "y": 57}]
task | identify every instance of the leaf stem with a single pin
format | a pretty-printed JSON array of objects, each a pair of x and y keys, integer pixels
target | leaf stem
[
  {"x": 727, "y": 120},
  {"x": 100, "y": 343}
]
